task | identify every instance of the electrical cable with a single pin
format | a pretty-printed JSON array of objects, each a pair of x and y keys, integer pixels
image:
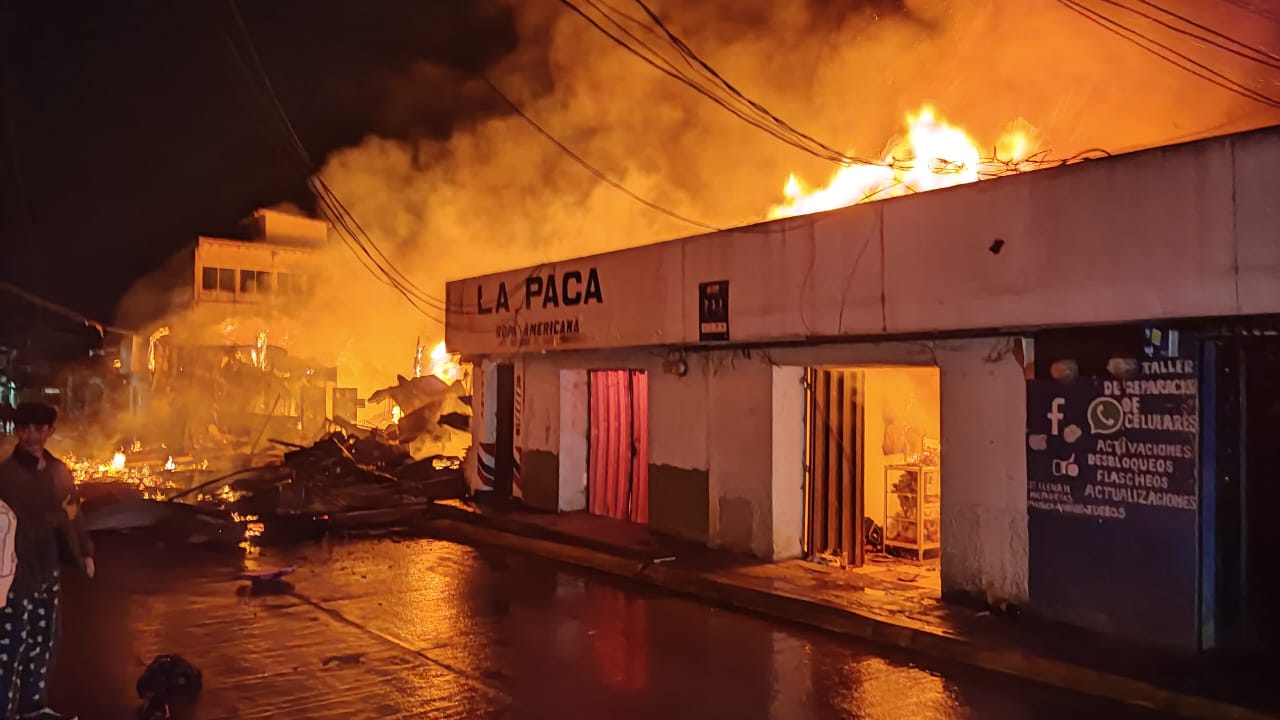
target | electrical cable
[
  {"x": 1205, "y": 73},
  {"x": 338, "y": 212},
  {"x": 770, "y": 124},
  {"x": 61, "y": 310},
  {"x": 599, "y": 174},
  {"x": 689, "y": 53},
  {"x": 1269, "y": 62},
  {"x": 1252, "y": 48}
]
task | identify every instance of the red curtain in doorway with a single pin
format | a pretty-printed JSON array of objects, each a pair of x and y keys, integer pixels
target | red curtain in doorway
[{"x": 618, "y": 476}]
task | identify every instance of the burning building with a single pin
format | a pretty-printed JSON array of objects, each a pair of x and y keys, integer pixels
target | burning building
[
  {"x": 217, "y": 368},
  {"x": 1038, "y": 382}
]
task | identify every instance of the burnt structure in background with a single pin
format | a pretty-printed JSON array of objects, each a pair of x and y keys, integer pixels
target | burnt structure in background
[{"x": 216, "y": 372}]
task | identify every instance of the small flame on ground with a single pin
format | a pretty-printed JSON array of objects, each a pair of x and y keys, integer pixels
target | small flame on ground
[
  {"x": 933, "y": 155},
  {"x": 153, "y": 486},
  {"x": 169, "y": 465}
]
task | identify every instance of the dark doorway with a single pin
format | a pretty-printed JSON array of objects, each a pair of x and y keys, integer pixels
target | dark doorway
[
  {"x": 1262, "y": 488},
  {"x": 504, "y": 462},
  {"x": 1247, "y": 492}
]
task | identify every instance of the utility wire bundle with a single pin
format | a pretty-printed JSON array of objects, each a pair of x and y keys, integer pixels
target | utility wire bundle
[
  {"x": 367, "y": 252},
  {"x": 1202, "y": 34},
  {"x": 688, "y": 68}
]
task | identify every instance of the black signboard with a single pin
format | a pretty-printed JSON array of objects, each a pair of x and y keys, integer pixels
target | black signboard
[
  {"x": 713, "y": 311},
  {"x": 1113, "y": 498}
]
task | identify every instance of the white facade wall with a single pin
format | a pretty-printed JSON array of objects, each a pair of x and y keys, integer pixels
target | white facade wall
[{"x": 739, "y": 418}]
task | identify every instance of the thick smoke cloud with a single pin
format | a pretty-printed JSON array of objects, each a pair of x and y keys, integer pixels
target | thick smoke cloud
[{"x": 496, "y": 195}]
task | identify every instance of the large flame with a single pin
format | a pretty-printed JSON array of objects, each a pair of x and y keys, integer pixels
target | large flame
[
  {"x": 444, "y": 364},
  {"x": 259, "y": 352},
  {"x": 151, "y": 346},
  {"x": 933, "y": 155}
]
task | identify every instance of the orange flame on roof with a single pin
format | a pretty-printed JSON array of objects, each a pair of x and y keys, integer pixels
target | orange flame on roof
[{"x": 934, "y": 154}]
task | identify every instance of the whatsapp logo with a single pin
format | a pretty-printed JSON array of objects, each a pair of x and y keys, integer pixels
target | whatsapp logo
[{"x": 1105, "y": 416}]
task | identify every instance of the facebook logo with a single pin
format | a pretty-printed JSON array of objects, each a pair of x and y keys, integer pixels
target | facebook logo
[{"x": 1055, "y": 414}]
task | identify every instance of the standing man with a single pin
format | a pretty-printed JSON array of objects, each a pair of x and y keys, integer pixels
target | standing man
[{"x": 40, "y": 490}]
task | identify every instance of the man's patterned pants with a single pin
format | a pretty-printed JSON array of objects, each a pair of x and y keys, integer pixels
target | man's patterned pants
[{"x": 28, "y": 628}]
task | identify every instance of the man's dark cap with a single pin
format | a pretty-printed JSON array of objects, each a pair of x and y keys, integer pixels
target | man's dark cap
[{"x": 35, "y": 413}]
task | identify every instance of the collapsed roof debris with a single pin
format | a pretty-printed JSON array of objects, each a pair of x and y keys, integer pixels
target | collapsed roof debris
[{"x": 352, "y": 475}]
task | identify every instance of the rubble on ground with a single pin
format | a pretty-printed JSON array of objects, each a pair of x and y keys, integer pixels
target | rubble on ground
[{"x": 352, "y": 477}]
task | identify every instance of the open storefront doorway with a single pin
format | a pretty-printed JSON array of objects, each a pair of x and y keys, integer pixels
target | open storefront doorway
[{"x": 873, "y": 476}]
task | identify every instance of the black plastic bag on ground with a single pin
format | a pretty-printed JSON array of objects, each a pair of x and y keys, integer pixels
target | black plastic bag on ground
[{"x": 169, "y": 679}]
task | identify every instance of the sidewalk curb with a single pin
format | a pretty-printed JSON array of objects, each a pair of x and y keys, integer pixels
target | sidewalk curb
[{"x": 888, "y": 631}]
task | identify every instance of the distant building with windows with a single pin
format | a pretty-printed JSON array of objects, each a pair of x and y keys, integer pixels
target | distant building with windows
[
  {"x": 219, "y": 362},
  {"x": 276, "y": 263}
]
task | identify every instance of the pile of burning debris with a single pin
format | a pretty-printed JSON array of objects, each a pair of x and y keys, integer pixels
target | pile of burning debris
[{"x": 351, "y": 477}]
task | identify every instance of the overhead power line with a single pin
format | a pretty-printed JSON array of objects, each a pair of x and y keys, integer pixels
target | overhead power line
[
  {"x": 1159, "y": 49},
  {"x": 370, "y": 256},
  {"x": 61, "y": 310},
  {"x": 688, "y": 52},
  {"x": 1243, "y": 50},
  {"x": 599, "y": 174},
  {"x": 711, "y": 85}
]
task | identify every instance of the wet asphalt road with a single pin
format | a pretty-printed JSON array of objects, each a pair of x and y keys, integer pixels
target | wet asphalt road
[{"x": 429, "y": 629}]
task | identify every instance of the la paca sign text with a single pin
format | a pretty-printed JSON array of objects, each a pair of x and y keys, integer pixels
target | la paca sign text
[
  {"x": 543, "y": 292},
  {"x": 549, "y": 291}
]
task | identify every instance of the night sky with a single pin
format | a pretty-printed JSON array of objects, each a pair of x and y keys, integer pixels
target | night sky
[{"x": 130, "y": 127}]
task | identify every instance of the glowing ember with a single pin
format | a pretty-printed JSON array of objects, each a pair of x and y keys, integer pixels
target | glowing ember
[
  {"x": 445, "y": 365},
  {"x": 226, "y": 494},
  {"x": 117, "y": 461},
  {"x": 396, "y": 414},
  {"x": 151, "y": 346},
  {"x": 933, "y": 155},
  {"x": 169, "y": 465}
]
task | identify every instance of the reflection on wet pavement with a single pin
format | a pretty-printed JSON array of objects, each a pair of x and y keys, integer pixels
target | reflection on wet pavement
[{"x": 421, "y": 628}]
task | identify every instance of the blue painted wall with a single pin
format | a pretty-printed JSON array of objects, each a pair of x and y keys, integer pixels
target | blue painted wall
[{"x": 1113, "y": 500}]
